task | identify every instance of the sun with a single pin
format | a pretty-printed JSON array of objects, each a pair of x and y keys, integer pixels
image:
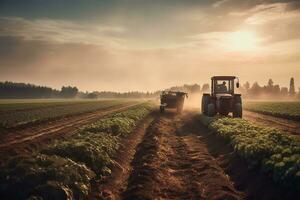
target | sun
[{"x": 242, "y": 41}]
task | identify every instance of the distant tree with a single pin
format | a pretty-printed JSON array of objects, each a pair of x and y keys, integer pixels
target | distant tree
[
  {"x": 247, "y": 86},
  {"x": 276, "y": 90},
  {"x": 195, "y": 88},
  {"x": 284, "y": 92},
  {"x": 270, "y": 83},
  {"x": 92, "y": 95},
  {"x": 255, "y": 90},
  {"x": 22, "y": 90},
  {"x": 292, "y": 91},
  {"x": 269, "y": 88},
  {"x": 68, "y": 92},
  {"x": 205, "y": 87}
]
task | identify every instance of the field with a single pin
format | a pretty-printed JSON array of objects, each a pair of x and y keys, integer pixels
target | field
[
  {"x": 117, "y": 149},
  {"x": 70, "y": 165},
  {"x": 287, "y": 110},
  {"x": 16, "y": 113}
]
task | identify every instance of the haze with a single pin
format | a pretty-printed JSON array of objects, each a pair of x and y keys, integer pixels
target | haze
[{"x": 148, "y": 45}]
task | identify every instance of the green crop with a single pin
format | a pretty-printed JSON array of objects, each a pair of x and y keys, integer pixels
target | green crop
[
  {"x": 288, "y": 110},
  {"x": 65, "y": 168},
  {"x": 26, "y": 175},
  {"x": 276, "y": 153},
  {"x": 15, "y": 114}
]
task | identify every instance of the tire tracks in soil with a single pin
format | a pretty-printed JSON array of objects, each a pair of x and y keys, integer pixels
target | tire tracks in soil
[{"x": 172, "y": 163}]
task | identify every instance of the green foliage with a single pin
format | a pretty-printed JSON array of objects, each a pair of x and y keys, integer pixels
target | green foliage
[
  {"x": 288, "y": 110},
  {"x": 64, "y": 169},
  {"x": 22, "y": 176},
  {"x": 276, "y": 153},
  {"x": 15, "y": 114},
  {"x": 94, "y": 151}
]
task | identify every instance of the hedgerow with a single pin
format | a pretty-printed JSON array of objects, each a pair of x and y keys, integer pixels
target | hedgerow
[
  {"x": 66, "y": 168},
  {"x": 276, "y": 153}
]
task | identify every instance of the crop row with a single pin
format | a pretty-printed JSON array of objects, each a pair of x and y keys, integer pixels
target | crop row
[
  {"x": 19, "y": 117},
  {"x": 287, "y": 110},
  {"x": 275, "y": 153},
  {"x": 64, "y": 170}
]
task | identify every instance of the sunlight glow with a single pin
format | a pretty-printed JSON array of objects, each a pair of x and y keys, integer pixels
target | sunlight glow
[{"x": 242, "y": 41}]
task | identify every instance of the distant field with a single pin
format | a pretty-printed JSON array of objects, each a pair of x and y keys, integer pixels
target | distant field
[
  {"x": 288, "y": 110},
  {"x": 17, "y": 112}
]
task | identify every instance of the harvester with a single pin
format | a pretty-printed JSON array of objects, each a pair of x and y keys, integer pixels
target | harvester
[
  {"x": 172, "y": 100},
  {"x": 222, "y": 99}
]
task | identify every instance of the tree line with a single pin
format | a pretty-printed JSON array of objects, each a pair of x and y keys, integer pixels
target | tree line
[
  {"x": 10, "y": 90},
  {"x": 270, "y": 90}
]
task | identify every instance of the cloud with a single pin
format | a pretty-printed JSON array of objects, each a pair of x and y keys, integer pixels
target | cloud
[
  {"x": 147, "y": 45},
  {"x": 62, "y": 31},
  {"x": 220, "y": 3},
  {"x": 266, "y": 13}
]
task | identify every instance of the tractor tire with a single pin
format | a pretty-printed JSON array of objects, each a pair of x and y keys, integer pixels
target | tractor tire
[
  {"x": 162, "y": 109},
  {"x": 204, "y": 103},
  {"x": 237, "y": 99},
  {"x": 211, "y": 110},
  {"x": 238, "y": 111}
]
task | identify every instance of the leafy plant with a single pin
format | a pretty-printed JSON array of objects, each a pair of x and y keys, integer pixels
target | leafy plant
[
  {"x": 288, "y": 110},
  {"x": 64, "y": 169},
  {"x": 276, "y": 153}
]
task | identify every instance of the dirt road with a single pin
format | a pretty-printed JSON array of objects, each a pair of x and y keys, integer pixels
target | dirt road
[
  {"x": 32, "y": 137},
  {"x": 287, "y": 126}
]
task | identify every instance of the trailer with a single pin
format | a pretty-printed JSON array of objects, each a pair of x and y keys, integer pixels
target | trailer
[{"x": 172, "y": 100}]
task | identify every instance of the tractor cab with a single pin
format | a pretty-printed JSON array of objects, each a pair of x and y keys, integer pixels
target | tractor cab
[
  {"x": 222, "y": 99},
  {"x": 223, "y": 85}
]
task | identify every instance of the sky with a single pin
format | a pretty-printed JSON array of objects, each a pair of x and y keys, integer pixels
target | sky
[{"x": 146, "y": 45}]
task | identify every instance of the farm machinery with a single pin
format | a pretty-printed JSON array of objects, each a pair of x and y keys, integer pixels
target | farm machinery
[
  {"x": 172, "y": 100},
  {"x": 222, "y": 99}
]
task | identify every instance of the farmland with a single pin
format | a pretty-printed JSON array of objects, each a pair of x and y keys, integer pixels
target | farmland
[
  {"x": 287, "y": 110},
  {"x": 276, "y": 153},
  {"x": 67, "y": 167},
  {"x": 16, "y": 113},
  {"x": 128, "y": 150}
]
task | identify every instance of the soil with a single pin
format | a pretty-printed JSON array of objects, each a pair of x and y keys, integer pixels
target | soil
[
  {"x": 34, "y": 137},
  {"x": 167, "y": 156},
  {"x": 285, "y": 125},
  {"x": 169, "y": 163},
  {"x": 172, "y": 156}
]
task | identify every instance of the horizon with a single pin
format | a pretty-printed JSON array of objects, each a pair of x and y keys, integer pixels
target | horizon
[
  {"x": 297, "y": 90},
  {"x": 137, "y": 45}
]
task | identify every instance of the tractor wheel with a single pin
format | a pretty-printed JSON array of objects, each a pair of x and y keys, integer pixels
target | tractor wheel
[
  {"x": 162, "y": 109},
  {"x": 237, "y": 99},
  {"x": 204, "y": 104},
  {"x": 211, "y": 110},
  {"x": 238, "y": 111}
]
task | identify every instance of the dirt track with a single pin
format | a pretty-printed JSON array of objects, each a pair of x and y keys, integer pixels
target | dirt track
[
  {"x": 287, "y": 126},
  {"x": 171, "y": 162},
  {"x": 175, "y": 157},
  {"x": 32, "y": 137}
]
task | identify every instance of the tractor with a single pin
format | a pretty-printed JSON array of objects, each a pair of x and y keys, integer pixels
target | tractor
[
  {"x": 222, "y": 99},
  {"x": 173, "y": 100}
]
